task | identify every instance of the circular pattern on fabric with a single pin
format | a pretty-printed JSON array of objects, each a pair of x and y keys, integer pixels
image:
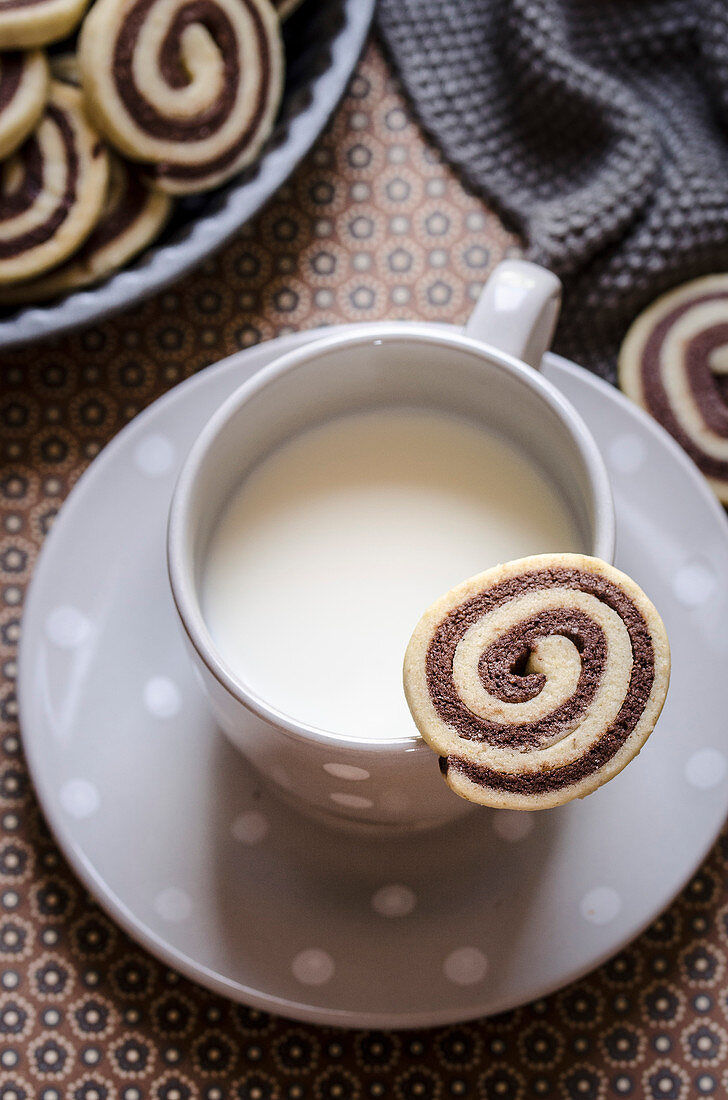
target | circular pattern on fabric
[{"x": 537, "y": 681}]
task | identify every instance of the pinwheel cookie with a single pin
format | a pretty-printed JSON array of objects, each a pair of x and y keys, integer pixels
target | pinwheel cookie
[
  {"x": 23, "y": 94},
  {"x": 538, "y": 680},
  {"x": 190, "y": 89},
  {"x": 132, "y": 217},
  {"x": 51, "y": 189},
  {"x": 674, "y": 362}
]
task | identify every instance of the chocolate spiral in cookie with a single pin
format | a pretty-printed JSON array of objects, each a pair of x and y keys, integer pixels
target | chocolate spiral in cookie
[
  {"x": 133, "y": 215},
  {"x": 674, "y": 362},
  {"x": 23, "y": 93},
  {"x": 538, "y": 680},
  {"x": 51, "y": 189},
  {"x": 26, "y": 23},
  {"x": 191, "y": 87}
]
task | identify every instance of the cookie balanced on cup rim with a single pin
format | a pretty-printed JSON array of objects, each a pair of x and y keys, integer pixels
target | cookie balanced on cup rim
[
  {"x": 537, "y": 681},
  {"x": 674, "y": 363}
]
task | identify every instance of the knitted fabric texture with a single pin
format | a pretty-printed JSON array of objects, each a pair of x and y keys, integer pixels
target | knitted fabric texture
[{"x": 598, "y": 130}]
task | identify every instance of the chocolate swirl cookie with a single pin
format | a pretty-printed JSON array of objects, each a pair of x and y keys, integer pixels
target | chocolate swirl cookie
[
  {"x": 538, "y": 680},
  {"x": 23, "y": 93},
  {"x": 133, "y": 215},
  {"x": 190, "y": 87},
  {"x": 674, "y": 362},
  {"x": 26, "y": 23},
  {"x": 51, "y": 190}
]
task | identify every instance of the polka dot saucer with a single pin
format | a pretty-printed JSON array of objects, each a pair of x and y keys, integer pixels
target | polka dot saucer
[{"x": 170, "y": 829}]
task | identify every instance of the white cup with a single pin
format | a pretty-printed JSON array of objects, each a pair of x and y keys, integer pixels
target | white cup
[{"x": 486, "y": 374}]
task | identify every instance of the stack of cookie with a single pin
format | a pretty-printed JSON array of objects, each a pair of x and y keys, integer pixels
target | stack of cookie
[{"x": 163, "y": 98}]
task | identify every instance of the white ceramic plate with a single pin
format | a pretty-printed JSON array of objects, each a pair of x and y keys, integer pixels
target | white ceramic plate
[{"x": 168, "y": 827}]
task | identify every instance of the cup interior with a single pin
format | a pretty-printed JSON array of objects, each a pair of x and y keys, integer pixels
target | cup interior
[{"x": 388, "y": 369}]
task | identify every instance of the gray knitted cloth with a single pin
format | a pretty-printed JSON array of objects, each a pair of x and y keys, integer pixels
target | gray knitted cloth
[{"x": 597, "y": 128}]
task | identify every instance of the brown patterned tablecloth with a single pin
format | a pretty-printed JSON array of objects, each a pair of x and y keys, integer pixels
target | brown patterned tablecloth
[{"x": 372, "y": 226}]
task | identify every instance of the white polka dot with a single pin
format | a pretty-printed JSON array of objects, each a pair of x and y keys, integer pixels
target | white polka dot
[
  {"x": 465, "y": 966},
  {"x": 352, "y": 801},
  {"x": 627, "y": 453},
  {"x": 346, "y": 771},
  {"x": 79, "y": 798},
  {"x": 173, "y": 904},
  {"x": 280, "y": 776},
  {"x": 250, "y": 827},
  {"x": 706, "y": 768},
  {"x": 67, "y": 627},
  {"x": 513, "y": 825},
  {"x": 161, "y": 697},
  {"x": 154, "y": 455},
  {"x": 601, "y": 905},
  {"x": 394, "y": 900},
  {"x": 313, "y": 966},
  {"x": 694, "y": 583}
]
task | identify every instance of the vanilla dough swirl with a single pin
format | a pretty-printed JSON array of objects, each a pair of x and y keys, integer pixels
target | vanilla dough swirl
[
  {"x": 674, "y": 362},
  {"x": 26, "y": 23},
  {"x": 51, "y": 189},
  {"x": 24, "y": 83},
  {"x": 189, "y": 87},
  {"x": 537, "y": 681},
  {"x": 286, "y": 7}
]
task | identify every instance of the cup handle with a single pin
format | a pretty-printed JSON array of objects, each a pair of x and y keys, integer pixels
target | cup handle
[{"x": 517, "y": 310}]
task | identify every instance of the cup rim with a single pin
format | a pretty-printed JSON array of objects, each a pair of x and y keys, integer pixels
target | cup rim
[{"x": 184, "y": 589}]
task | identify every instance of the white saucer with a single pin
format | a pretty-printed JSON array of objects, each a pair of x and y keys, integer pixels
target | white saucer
[{"x": 170, "y": 830}]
